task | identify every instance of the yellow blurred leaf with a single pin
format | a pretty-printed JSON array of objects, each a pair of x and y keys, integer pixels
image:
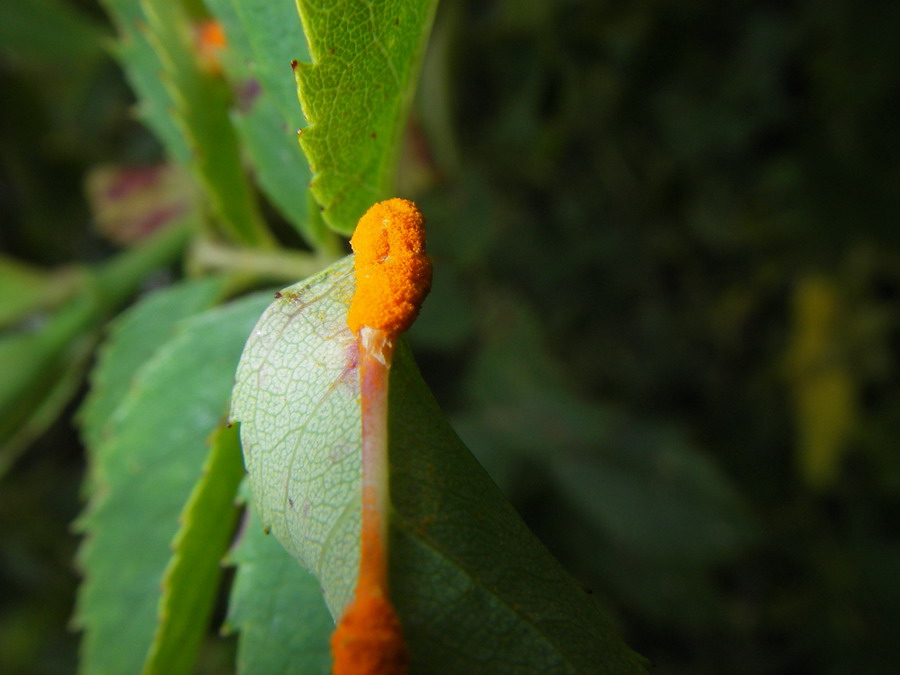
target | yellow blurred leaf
[{"x": 822, "y": 384}]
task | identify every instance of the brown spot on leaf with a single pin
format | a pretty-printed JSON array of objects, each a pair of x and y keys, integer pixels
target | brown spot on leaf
[{"x": 246, "y": 94}]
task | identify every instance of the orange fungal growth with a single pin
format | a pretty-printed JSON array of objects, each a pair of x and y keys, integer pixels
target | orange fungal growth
[
  {"x": 209, "y": 38},
  {"x": 393, "y": 274},
  {"x": 368, "y": 639}
]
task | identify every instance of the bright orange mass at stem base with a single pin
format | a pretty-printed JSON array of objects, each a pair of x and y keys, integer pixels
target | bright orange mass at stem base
[
  {"x": 393, "y": 274},
  {"x": 368, "y": 640}
]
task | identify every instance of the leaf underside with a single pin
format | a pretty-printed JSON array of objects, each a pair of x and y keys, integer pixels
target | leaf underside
[
  {"x": 296, "y": 398},
  {"x": 475, "y": 590}
]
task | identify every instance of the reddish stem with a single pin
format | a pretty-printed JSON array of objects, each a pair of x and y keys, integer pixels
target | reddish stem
[
  {"x": 369, "y": 639},
  {"x": 376, "y": 350}
]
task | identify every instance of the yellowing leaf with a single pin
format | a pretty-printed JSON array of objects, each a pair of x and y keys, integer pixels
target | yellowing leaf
[{"x": 823, "y": 388}]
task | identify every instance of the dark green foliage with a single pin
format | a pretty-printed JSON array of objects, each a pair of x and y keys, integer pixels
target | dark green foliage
[
  {"x": 678, "y": 169},
  {"x": 623, "y": 200}
]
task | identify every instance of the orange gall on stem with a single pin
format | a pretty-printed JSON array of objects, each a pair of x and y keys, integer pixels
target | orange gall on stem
[
  {"x": 368, "y": 639},
  {"x": 393, "y": 274}
]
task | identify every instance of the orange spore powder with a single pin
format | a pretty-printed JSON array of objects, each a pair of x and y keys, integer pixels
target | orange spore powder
[
  {"x": 393, "y": 274},
  {"x": 369, "y": 637},
  {"x": 211, "y": 34},
  {"x": 369, "y": 640},
  {"x": 209, "y": 40}
]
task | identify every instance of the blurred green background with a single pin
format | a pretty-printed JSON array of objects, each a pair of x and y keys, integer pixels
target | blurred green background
[{"x": 667, "y": 274}]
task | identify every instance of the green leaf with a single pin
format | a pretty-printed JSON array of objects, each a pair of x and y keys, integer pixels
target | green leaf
[
  {"x": 277, "y": 608},
  {"x": 274, "y": 39},
  {"x": 355, "y": 95},
  {"x": 32, "y": 359},
  {"x": 145, "y": 471},
  {"x": 47, "y": 30},
  {"x": 42, "y": 361},
  {"x": 262, "y": 36},
  {"x": 27, "y": 289},
  {"x": 514, "y": 609},
  {"x": 133, "y": 339},
  {"x": 475, "y": 590},
  {"x": 194, "y": 572},
  {"x": 143, "y": 69},
  {"x": 50, "y": 387},
  {"x": 201, "y": 107},
  {"x": 281, "y": 168}
]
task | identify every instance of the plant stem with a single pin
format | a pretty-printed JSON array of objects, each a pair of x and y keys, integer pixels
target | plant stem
[
  {"x": 118, "y": 279},
  {"x": 369, "y": 638},
  {"x": 376, "y": 350},
  {"x": 44, "y": 359},
  {"x": 267, "y": 265}
]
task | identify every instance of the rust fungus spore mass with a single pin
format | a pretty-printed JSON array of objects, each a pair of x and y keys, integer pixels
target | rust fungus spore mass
[
  {"x": 393, "y": 274},
  {"x": 368, "y": 641}
]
